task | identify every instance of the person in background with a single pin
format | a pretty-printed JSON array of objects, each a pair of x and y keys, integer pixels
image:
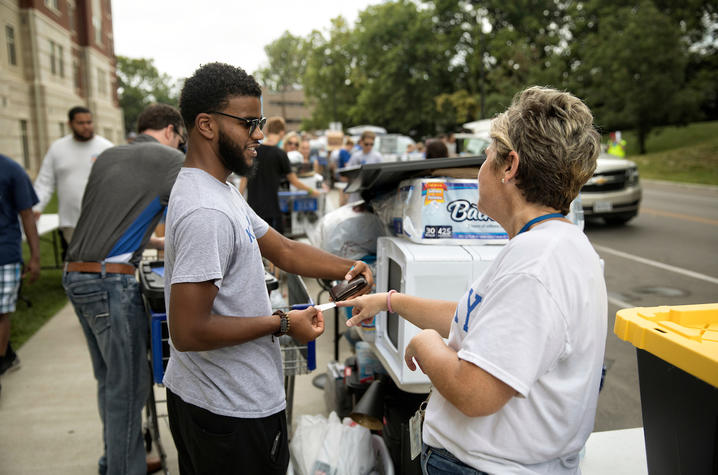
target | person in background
[
  {"x": 66, "y": 166},
  {"x": 515, "y": 388},
  {"x": 309, "y": 165},
  {"x": 224, "y": 380},
  {"x": 616, "y": 145},
  {"x": 345, "y": 153},
  {"x": 436, "y": 148},
  {"x": 366, "y": 155},
  {"x": 271, "y": 167},
  {"x": 420, "y": 149},
  {"x": 450, "y": 143},
  {"x": 16, "y": 198},
  {"x": 126, "y": 195}
]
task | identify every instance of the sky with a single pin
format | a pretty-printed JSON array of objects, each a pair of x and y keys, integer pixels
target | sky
[{"x": 181, "y": 35}]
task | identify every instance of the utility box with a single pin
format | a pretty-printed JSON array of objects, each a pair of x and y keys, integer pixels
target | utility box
[{"x": 677, "y": 350}]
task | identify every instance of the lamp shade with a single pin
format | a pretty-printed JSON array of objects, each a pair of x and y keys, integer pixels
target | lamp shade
[{"x": 369, "y": 411}]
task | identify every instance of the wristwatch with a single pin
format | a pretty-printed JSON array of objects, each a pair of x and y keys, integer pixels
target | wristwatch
[{"x": 283, "y": 323}]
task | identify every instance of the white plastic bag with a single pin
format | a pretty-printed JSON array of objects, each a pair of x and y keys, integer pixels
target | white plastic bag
[
  {"x": 321, "y": 445},
  {"x": 347, "y": 233}
]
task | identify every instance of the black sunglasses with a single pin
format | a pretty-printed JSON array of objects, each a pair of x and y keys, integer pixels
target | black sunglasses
[
  {"x": 251, "y": 123},
  {"x": 183, "y": 139}
]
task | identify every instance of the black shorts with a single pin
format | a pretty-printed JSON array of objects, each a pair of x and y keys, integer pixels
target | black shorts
[{"x": 208, "y": 443}]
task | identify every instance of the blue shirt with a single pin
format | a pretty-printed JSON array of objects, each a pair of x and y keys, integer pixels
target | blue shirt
[
  {"x": 16, "y": 194},
  {"x": 344, "y": 157}
]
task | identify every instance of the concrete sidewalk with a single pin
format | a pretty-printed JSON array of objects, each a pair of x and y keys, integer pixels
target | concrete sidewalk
[{"x": 48, "y": 408}]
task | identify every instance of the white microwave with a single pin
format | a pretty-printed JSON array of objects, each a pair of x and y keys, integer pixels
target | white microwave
[{"x": 431, "y": 271}]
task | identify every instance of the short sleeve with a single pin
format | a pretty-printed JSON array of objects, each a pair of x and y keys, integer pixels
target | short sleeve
[
  {"x": 285, "y": 168},
  {"x": 203, "y": 242},
  {"x": 23, "y": 192},
  {"x": 259, "y": 226},
  {"x": 518, "y": 334}
]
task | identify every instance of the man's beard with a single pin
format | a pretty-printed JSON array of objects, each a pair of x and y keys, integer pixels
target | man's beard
[
  {"x": 81, "y": 138},
  {"x": 232, "y": 157}
]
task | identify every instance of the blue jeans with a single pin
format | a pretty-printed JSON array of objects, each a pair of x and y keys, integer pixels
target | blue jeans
[
  {"x": 115, "y": 324},
  {"x": 440, "y": 461}
]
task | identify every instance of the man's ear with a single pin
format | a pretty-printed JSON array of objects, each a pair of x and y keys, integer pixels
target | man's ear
[{"x": 206, "y": 125}]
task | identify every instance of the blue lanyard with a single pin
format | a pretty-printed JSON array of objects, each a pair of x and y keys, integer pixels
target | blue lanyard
[{"x": 538, "y": 220}]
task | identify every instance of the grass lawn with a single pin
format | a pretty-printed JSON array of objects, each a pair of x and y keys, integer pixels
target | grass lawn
[{"x": 687, "y": 154}]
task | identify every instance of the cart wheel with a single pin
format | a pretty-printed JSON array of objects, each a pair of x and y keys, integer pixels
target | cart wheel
[{"x": 148, "y": 440}]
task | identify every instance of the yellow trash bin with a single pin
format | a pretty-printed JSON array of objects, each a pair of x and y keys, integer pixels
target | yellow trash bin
[{"x": 677, "y": 352}]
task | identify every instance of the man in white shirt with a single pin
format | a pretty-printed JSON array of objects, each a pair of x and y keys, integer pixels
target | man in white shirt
[{"x": 66, "y": 167}]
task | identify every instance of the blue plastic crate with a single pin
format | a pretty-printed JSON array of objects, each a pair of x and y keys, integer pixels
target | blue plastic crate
[
  {"x": 284, "y": 204},
  {"x": 160, "y": 346},
  {"x": 305, "y": 204}
]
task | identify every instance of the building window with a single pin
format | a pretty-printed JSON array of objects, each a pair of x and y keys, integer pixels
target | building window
[
  {"x": 71, "y": 14},
  {"x": 60, "y": 61},
  {"x": 53, "y": 57},
  {"x": 54, "y": 4},
  {"x": 57, "y": 59},
  {"x": 11, "y": 51},
  {"x": 97, "y": 21},
  {"x": 25, "y": 144},
  {"x": 76, "y": 74},
  {"x": 101, "y": 81}
]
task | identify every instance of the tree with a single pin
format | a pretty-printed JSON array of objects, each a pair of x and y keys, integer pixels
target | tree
[
  {"x": 632, "y": 70},
  {"x": 286, "y": 65},
  {"x": 328, "y": 76},
  {"x": 139, "y": 85}
]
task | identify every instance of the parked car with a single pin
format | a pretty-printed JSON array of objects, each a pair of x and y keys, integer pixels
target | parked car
[
  {"x": 471, "y": 145},
  {"x": 613, "y": 192}
]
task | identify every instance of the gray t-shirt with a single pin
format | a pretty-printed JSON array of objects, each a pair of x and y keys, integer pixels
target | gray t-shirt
[
  {"x": 211, "y": 235},
  {"x": 125, "y": 197}
]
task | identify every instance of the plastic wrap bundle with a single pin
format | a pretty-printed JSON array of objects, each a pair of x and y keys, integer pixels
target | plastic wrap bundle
[
  {"x": 443, "y": 211},
  {"x": 321, "y": 445},
  {"x": 347, "y": 233}
]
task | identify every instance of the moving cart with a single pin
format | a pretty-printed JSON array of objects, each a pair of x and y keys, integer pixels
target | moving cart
[{"x": 296, "y": 358}]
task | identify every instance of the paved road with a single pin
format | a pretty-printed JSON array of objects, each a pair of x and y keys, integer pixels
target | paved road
[{"x": 668, "y": 255}]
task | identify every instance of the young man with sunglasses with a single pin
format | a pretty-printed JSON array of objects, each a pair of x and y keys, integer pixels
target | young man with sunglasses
[
  {"x": 272, "y": 167},
  {"x": 224, "y": 380},
  {"x": 126, "y": 195}
]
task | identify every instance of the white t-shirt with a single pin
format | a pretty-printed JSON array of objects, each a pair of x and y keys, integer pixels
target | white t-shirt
[
  {"x": 66, "y": 167},
  {"x": 211, "y": 235},
  {"x": 536, "y": 320}
]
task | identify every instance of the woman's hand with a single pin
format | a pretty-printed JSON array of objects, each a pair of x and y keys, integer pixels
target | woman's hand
[
  {"x": 305, "y": 325},
  {"x": 365, "y": 307},
  {"x": 421, "y": 346}
]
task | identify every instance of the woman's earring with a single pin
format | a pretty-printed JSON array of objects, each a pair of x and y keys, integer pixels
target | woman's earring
[{"x": 503, "y": 181}]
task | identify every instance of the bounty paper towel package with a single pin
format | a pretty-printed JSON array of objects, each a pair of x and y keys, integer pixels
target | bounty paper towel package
[{"x": 443, "y": 211}]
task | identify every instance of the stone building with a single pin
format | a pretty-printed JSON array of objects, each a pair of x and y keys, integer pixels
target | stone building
[
  {"x": 54, "y": 55},
  {"x": 291, "y": 105}
]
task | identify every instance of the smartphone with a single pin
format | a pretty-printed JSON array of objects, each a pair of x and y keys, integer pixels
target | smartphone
[{"x": 345, "y": 289}]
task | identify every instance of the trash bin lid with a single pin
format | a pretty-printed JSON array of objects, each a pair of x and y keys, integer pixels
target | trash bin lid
[{"x": 685, "y": 336}]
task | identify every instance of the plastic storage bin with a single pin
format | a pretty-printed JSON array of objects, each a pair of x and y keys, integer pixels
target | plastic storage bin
[{"x": 677, "y": 349}]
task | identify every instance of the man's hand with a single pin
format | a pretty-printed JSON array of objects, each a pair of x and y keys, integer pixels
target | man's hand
[
  {"x": 360, "y": 267},
  {"x": 37, "y": 215},
  {"x": 33, "y": 269},
  {"x": 305, "y": 325}
]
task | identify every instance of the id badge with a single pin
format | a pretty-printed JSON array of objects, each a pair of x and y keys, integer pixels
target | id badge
[{"x": 415, "y": 424}]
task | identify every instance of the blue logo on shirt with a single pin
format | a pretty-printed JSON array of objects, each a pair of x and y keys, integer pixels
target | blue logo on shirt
[
  {"x": 470, "y": 306},
  {"x": 248, "y": 230}
]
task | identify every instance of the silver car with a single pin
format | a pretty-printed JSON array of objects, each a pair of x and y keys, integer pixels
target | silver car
[{"x": 613, "y": 192}]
